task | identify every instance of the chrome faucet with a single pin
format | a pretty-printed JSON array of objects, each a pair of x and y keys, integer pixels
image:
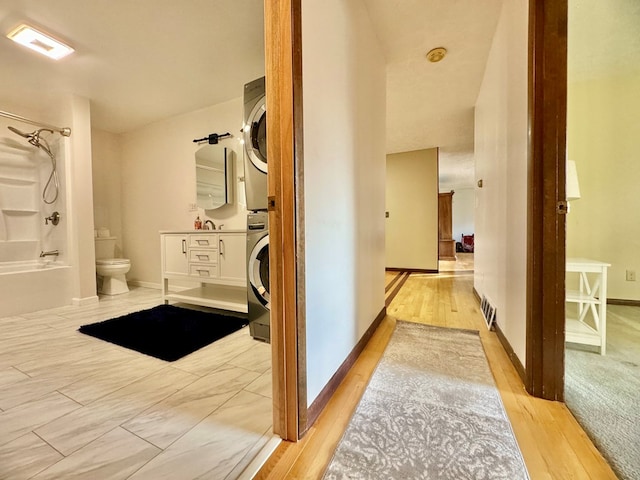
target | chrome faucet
[
  {"x": 213, "y": 225},
  {"x": 50, "y": 252},
  {"x": 54, "y": 219}
]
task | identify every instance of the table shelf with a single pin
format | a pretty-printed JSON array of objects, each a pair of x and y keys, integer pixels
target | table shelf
[
  {"x": 574, "y": 296},
  {"x": 214, "y": 296},
  {"x": 591, "y": 298}
]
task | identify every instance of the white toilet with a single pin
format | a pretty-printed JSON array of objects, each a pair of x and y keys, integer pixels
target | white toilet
[{"x": 111, "y": 271}]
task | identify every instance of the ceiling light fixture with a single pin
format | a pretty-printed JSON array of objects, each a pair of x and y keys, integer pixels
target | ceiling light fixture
[
  {"x": 39, "y": 42},
  {"x": 436, "y": 54}
]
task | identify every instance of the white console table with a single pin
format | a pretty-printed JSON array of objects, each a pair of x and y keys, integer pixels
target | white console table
[{"x": 591, "y": 296}]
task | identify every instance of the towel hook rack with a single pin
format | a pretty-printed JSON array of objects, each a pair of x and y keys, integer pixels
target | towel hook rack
[{"x": 212, "y": 138}]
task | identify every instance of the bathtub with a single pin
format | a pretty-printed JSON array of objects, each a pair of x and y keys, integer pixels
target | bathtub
[{"x": 33, "y": 285}]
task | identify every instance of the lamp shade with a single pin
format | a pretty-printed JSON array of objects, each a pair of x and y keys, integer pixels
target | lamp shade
[{"x": 573, "y": 188}]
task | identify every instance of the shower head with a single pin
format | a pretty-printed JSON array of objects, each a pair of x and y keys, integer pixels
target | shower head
[
  {"x": 33, "y": 137},
  {"x": 18, "y": 132}
]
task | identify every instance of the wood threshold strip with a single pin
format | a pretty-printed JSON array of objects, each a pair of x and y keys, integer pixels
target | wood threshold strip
[
  {"x": 392, "y": 282},
  {"x": 394, "y": 292},
  {"x": 455, "y": 272},
  {"x": 412, "y": 270}
]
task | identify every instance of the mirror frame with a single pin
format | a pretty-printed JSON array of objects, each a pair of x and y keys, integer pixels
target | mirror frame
[{"x": 226, "y": 170}]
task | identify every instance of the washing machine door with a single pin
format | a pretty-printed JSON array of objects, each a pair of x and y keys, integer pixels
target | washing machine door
[
  {"x": 255, "y": 135},
  {"x": 259, "y": 271}
]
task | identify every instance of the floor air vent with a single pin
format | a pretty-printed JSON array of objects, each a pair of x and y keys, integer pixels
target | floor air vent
[{"x": 488, "y": 311}]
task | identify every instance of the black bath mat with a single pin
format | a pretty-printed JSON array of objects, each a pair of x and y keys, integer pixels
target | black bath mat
[{"x": 166, "y": 331}]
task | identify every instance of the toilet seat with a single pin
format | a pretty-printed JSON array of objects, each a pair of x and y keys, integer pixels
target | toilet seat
[
  {"x": 113, "y": 261},
  {"x": 111, "y": 275}
]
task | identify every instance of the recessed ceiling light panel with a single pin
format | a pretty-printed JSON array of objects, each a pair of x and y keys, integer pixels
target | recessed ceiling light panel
[{"x": 39, "y": 42}]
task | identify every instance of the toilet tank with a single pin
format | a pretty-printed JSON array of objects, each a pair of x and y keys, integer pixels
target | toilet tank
[{"x": 105, "y": 247}]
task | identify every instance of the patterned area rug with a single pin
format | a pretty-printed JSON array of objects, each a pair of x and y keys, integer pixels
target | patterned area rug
[{"x": 430, "y": 411}]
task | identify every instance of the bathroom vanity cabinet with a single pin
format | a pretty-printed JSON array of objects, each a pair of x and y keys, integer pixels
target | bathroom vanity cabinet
[{"x": 215, "y": 261}]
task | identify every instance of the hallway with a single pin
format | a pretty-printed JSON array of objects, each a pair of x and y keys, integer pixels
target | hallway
[{"x": 553, "y": 444}]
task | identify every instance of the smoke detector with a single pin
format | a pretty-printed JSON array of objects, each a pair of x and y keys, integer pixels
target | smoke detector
[{"x": 436, "y": 54}]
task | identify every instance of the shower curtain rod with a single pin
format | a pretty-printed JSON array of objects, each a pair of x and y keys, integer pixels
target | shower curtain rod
[{"x": 65, "y": 132}]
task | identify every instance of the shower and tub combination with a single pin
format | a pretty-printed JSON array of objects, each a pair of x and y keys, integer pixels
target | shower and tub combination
[{"x": 34, "y": 270}]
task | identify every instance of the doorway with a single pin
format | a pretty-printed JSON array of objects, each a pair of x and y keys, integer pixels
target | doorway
[
  {"x": 456, "y": 181},
  {"x": 603, "y": 337}
]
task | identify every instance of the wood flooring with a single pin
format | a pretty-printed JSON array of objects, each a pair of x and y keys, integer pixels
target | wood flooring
[
  {"x": 554, "y": 446},
  {"x": 463, "y": 262},
  {"x": 75, "y": 407}
]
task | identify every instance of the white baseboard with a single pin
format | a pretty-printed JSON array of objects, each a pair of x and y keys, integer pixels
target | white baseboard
[
  {"x": 138, "y": 283},
  {"x": 81, "y": 302}
]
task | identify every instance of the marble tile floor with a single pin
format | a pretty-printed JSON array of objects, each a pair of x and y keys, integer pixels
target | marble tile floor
[{"x": 75, "y": 407}]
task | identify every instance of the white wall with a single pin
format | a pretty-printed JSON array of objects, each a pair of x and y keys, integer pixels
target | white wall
[
  {"x": 158, "y": 182},
  {"x": 603, "y": 124},
  {"x": 344, "y": 170},
  {"x": 463, "y": 206},
  {"x": 501, "y": 163},
  {"x": 106, "y": 153},
  {"x": 412, "y": 203},
  {"x": 77, "y": 112}
]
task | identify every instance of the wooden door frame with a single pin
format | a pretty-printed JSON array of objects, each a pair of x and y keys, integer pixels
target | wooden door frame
[
  {"x": 546, "y": 235},
  {"x": 283, "y": 68},
  {"x": 546, "y": 229}
]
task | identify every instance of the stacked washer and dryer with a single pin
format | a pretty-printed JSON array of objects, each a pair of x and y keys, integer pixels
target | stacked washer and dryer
[{"x": 255, "y": 177}]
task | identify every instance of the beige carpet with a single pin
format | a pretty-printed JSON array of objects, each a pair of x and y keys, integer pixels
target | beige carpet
[
  {"x": 430, "y": 411},
  {"x": 602, "y": 391}
]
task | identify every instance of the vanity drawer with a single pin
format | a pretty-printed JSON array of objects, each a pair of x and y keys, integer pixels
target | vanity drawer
[
  {"x": 204, "y": 271},
  {"x": 203, "y": 256},
  {"x": 203, "y": 240}
]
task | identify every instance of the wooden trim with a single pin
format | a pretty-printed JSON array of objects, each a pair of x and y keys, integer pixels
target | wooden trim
[
  {"x": 512, "y": 355},
  {"x": 506, "y": 345},
  {"x": 455, "y": 272},
  {"x": 546, "y": 179},
  {"x": 620, "y": 301},
  {"x": 298, "y": 138},
  {"x": 279, "y": 68},
  {"x": 477, "y": 295},
  {"x": 329, "y": 389},
  {"x": 389, "y": 298},
  {"x": 412, "y": 270},
  {"x": 392, "y": 282}
]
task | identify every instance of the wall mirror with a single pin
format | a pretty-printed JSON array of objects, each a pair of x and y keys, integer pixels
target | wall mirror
[{"x": 214, "y": 176}]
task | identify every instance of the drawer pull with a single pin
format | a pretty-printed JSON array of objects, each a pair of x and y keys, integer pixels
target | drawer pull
[
  {"x": 202, "y": 257},
  {"x": 203, "y": 272},
  {"x": 202, "y": 241}
]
